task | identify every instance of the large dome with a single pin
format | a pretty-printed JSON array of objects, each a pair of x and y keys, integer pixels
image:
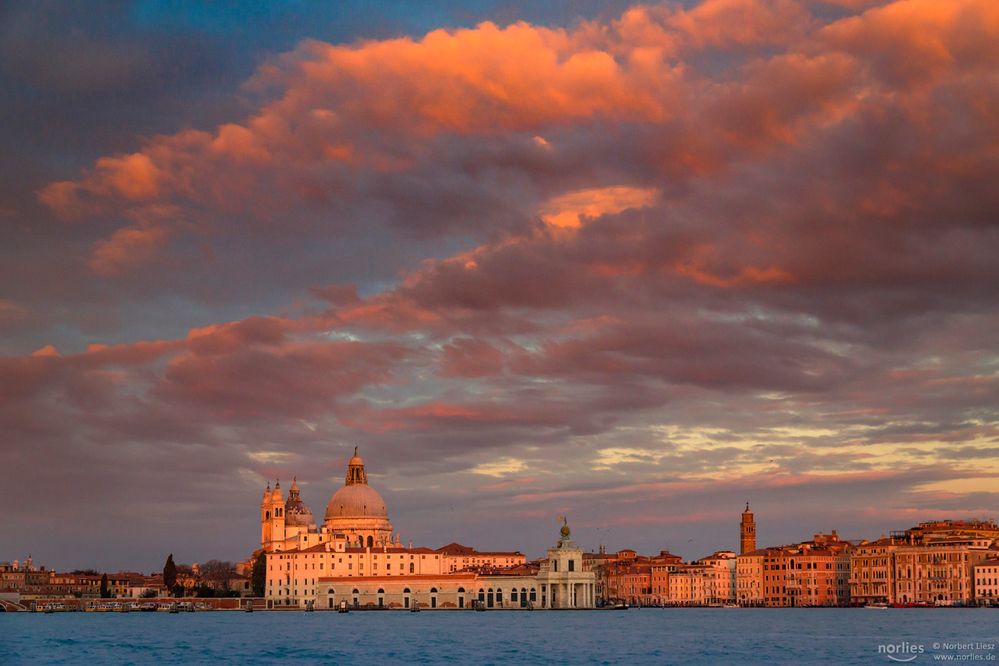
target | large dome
[{"x": 356, "y": 501}]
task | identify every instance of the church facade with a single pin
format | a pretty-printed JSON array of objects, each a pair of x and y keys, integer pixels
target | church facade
[{"x": 357, "y": 557}]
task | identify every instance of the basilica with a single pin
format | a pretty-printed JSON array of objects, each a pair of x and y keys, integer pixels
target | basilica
[
  {"x": 355, "y": 516},
  {"x": 356, "y": 558}
]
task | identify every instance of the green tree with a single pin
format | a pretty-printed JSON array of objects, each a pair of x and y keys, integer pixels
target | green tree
[
  {"x": 170, "y": 572},
  {"x": 105, "y": 592},
  {"x": 258, "y": 577}
]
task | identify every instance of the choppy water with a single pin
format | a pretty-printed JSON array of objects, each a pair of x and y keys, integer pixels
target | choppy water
[{"x": 645, "y": 636}]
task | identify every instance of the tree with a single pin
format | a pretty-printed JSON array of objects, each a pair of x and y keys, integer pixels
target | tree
[
  {"x": 258, "y": 577},
  {"x": 170, "y": 572},
  {"x": 148, "y": 593},
  {"x": 217, "y": 574},
  {"x": 204, "y": 591},
  {"x": 105, "y": 592}
]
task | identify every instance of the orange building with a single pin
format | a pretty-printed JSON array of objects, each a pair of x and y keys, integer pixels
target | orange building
[{"x": 811, "y": 573}]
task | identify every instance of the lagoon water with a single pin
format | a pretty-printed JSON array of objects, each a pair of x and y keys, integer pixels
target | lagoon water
[{"x": 636, "y": 636}]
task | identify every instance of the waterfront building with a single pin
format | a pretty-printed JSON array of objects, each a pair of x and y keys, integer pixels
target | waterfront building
[
  {"x": 810, "y": 573},
  {"x": 872, "y": 572},
  {"x": 565, "y": 582},
  {"x": 939, "y": 570},
  {"x": 560, "y": 581},
  {"x": 686, "y": 586},
  {"x": 356, "y": 549},
  {"x": 986, "y": 580},
  {"x": 636, "y": 579},
  {"x": 749, "y": 577},
  {"x": 719, "y": 574},
  {"x": 929, "y": 564}
]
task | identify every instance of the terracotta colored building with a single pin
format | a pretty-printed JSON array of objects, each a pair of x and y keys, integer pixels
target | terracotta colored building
[{"x": 811, "y": 573}]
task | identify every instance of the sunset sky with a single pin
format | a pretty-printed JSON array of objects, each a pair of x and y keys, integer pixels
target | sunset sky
[{"x": 636, "y": 264}]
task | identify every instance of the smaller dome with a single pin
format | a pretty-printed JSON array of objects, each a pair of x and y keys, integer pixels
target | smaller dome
[
  {"x": 298, "y": 517},
  {"x": 296, "y": 513}
]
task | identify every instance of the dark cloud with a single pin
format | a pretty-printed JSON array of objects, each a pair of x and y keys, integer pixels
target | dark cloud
[{"x": 638, "y": 267}]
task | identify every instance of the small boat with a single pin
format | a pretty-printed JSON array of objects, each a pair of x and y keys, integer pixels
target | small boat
[
  {"x": 249, "y": 607},
  {"x": 343, "y": 608},
  {"x": 877, "y": 606},
  {"x": 730, "y": 606},
  {"x": 147, "y": 607},
  {"x": 621, "y": 605},
  {"x": 415, "y": 608},
  {"x": 174, "y": 609}
]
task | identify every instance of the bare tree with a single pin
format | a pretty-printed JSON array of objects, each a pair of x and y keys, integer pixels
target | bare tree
[{"x": 217, "y": 574}]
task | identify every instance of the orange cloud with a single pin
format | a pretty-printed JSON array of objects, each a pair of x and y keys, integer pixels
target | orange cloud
[
  {"x": 334, "y": 111},
  {"x": 566, "y": 211},
  {"x": 127, "y": 248},
  {"x": 747, "y": 276},
  {"x": 914, "y": 41}
]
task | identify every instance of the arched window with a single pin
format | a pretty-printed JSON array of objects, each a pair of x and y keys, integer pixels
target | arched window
[
  {"x": 405, "y": 599},
  {"x": 433, "y": 590},
  {"x": 381, "y": 590}
]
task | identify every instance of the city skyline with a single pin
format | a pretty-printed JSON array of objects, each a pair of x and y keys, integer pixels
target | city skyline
[{"x": 636, "y": 264}]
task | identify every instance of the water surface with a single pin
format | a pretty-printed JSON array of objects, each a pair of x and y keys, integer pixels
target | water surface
[{"x": 636, "y": 636}]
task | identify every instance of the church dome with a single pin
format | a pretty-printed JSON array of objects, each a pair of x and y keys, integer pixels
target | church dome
[
  {"x": 357, "y": 505},
  {"x": 296, "y": 512},
  {"x": 356, "y": 501}
]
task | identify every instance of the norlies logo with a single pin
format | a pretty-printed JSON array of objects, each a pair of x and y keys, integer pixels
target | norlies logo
[{"x": 904, "y": 651}]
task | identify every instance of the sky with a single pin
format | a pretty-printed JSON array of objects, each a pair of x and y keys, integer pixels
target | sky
[{"x": 633, "y": 264}]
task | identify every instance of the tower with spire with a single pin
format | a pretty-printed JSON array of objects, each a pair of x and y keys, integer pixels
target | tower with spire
[{"x": 747, "y": 532}]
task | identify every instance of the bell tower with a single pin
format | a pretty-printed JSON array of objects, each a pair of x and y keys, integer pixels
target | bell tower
[
  {"x": 271, "y": 517},
  {"x": 747, "y": 532}
]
